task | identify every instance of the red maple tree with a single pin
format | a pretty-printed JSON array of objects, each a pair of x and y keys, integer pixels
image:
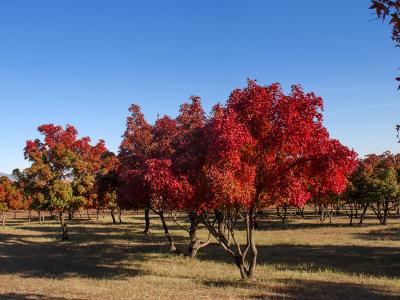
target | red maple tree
[{"x": 265, "y": 147}]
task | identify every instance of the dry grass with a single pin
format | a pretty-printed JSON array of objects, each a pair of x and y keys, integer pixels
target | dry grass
[{"x": 299, "y": 260}]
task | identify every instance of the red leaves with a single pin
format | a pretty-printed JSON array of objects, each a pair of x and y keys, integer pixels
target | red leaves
[
  {"x": 283, "y": 139},
  {"x": 155, "y": 159},
  {"x": 263, "y": 147},
  {"x": 166, "y": 190},
  {"x": 228, "y": 171}
]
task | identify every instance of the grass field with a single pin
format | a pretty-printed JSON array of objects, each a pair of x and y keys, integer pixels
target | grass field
[{"x": 299, "y": 260}]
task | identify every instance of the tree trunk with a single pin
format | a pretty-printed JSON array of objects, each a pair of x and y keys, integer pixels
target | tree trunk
[
  {"x": 88, "y": 215},
  {"x": 351, "y": 214},
  {"x": 385, "y": 212},
  {"x": 255, "y": 221},
  {"x": 172, "y": 247},
  {"x": 253, "y": 247},
  {"x": 29, "y": 215},
  {"x": 220, "y": 220},
  {"x": 40, "y": 217},
  {"x": 363, "y": 213},
  {"x": 279, "y": 210},
  {"x": 3, "y": 218},
  {"x": 113, "y": 216},
  {"x": 241, "y": 258},
  {"x": 119, "y": 215},
  {"x": 64, "y": 227},
  {"x": 378, "y": 213},
  {"x": 321, "y": 211},
  {"x": 147, "y": 221},
  {"x": 285, "y": 207},
  {"x": 194, "y": 244}
]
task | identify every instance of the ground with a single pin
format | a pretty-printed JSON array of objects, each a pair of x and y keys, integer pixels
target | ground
[{"x": 299, "y": 260}]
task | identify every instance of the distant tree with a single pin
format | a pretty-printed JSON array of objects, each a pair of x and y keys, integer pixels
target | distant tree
[
  {"x": 356, "y": 195},
  {"x": 107, "y": 182},
  {"x": 11, "y": 197},
  {"x": 376, "y": 182},
  {"x": 86, "y": 167},
  {"x": 3, "y": 203}
]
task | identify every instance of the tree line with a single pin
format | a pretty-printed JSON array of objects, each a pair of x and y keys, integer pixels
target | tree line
[{"x": 262, "y": 148}]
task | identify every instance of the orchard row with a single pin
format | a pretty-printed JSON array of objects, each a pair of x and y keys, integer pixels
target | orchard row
[{"x": 260, "y": 149}]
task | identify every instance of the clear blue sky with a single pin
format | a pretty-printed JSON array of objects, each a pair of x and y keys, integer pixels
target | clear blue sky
[{"x": 85, "y": 62}]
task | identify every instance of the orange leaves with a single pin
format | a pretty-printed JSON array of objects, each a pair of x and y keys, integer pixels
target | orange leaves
[
  {"x": 64, "y": 159},
  {"x": 11, "y": 197}
]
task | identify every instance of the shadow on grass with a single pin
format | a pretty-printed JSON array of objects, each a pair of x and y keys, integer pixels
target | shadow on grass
[
  {"x": 98, "y": 250},
  {"x": 91, "y": 252},
  {"x": 384, "y": 234},
  {"x": 271, "y": 225},
  {"x": 376, "y": 261},
  {"x": 317, "y": 290},
  {"x": 307, "y": 289},
  {"x": 14, "y": 296},
  {"x": 81, "y": 232}
]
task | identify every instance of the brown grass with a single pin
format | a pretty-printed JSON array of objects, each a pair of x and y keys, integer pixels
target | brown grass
[{"x": 300, "y": 260}]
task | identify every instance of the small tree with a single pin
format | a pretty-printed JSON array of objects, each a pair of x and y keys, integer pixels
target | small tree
[
  {"x": 107, "y": 183},
  {"x": 378, "y": 183},
  {"x": 11, "y": 197},
  {"x": 58, "y": 179}
]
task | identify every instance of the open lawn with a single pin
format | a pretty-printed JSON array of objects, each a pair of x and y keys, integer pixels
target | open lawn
[{"x": 299, "y": 260}]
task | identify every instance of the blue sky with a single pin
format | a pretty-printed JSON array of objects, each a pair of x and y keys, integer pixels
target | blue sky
[{"x": 84, "y": 62}]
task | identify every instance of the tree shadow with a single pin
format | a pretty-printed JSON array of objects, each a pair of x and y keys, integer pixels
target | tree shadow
[
  {"x": 103, "y": 232},
  {"x": 14, "y": 296},
  {"x": 307, "y": 290},
  {"x": 272, "y": 225},
  {"x": 382, "y": 234},
  {"x": 90, "y": 253},
  {"x": 317, "y": 289},
  {"x": 362, "y": 260}
]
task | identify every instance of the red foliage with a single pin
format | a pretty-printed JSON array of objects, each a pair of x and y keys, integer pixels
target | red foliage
[
  {"x": 159, "y": 163},
  {"x": 62, "y": 156},
  {"x": 269, "y": 148},
  {"x": 164, "y": 189},
  {"x": 262, "y": 148},
  {"x": 10, "y": 196}
]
